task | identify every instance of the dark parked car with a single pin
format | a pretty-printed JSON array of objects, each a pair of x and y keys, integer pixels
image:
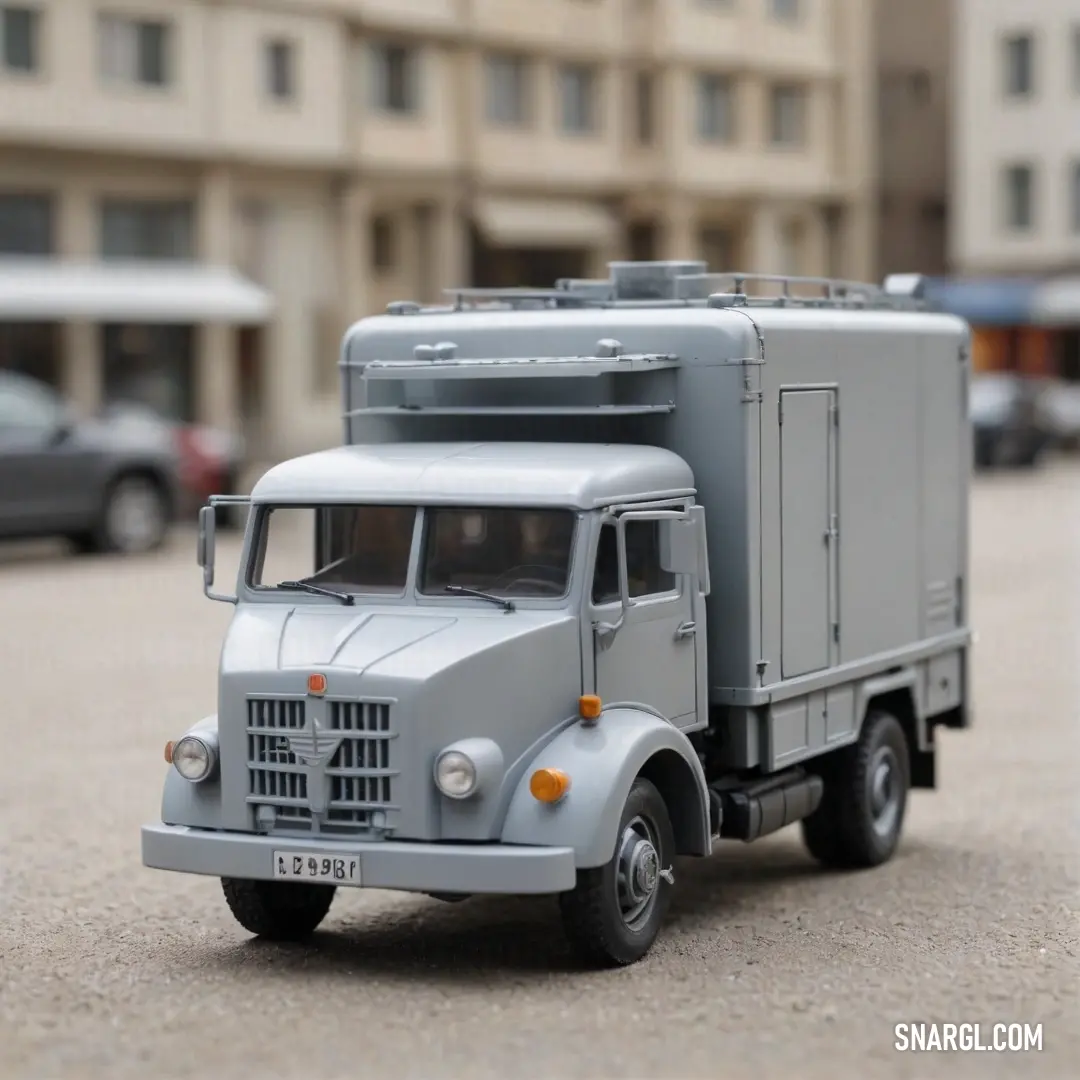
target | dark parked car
[
  {"x": 209, "y": 461},
  {"x": 107, "y": 485},
  {"x": 1008, "y": 421}
]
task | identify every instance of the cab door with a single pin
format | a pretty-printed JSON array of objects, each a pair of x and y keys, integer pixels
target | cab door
[{"x": 651, "y": 658}]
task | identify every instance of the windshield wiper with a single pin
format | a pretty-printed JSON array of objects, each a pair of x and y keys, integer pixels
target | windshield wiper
[
  {"x": 507, "y": 605},
  {"x": 318, "y": 590}
]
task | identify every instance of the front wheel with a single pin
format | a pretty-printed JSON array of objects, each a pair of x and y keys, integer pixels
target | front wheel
[
  {"x": 614, "y": 913},
  {"x": 861, "y": 814},
  {"x": 276, "y": 910}
]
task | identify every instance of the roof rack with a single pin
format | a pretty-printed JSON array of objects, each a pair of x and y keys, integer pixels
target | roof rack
[{"x": 688, "y": 284}]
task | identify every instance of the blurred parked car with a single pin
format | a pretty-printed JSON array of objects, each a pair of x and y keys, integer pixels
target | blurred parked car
[
  {"x": 209, "y": 461},
  {"x": 1060, "y": 406},
  {"x": 1008, "y": 420},
  {"x": 107, "y": 486}
]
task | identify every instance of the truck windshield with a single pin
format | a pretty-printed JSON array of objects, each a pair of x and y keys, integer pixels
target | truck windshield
[
  {"x": 504, "y": 552},
  {"x": 347, "y": 549}
]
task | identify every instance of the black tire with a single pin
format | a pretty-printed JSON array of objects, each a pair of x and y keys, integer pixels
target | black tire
[
  {"x": 861, "y": 815},
  {"x": 134, "y": 493},
  {"x": 601, "y": 924},
  {"x": 276, "y": 910}
]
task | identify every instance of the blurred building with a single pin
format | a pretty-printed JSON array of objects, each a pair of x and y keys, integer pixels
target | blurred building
[
  {"x": 1015, "y": 179},
  {"x": 913, "y": 42},
  {"x": 274, "y": 169}
]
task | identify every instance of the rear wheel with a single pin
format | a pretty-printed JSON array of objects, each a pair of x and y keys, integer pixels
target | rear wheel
[
  {"x": 275, "y": 910},
  {"x": 861, "y": 815},
  {"x": 133, "y": 518},
  {"x": 614, "y": 913}
]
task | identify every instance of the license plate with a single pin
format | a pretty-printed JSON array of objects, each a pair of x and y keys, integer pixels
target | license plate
[{"x": 315, "y": 866}]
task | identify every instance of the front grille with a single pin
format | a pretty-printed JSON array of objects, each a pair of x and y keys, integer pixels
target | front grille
[{"x": 341, "y": 794}]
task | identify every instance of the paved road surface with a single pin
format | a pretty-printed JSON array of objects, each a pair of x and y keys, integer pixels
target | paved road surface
[{"x": 769, "y": 967}]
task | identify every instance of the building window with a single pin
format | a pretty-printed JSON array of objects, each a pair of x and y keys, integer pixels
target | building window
[
  {"x": 715, "y": 108},
  {"x": 507, "y": 98},
  {"x": 787, "y": 116},
  {"x": 395, "y": 78},
  {"x": 643, "y": 108},
  {"x": 717, "y": 247},
  {"x": 578, "y": 99},
  {"x": 280, "y": 60},
  {"x": 1019, "y": 65},
  {"x": 792, "y": 237},
  {"x": 26, "y": 224},
  {"x": 1019, "y": 197},
  {"x": 146, "y": 229},
  {"x": 1074, "y": 196},
  {"x": 383, "y": 243},
  {"x": 785, "y": 10},
  {"x": 150, "y": 366},
  {"x": 20, "y": 29},
  {"x": 919, "y": 86},
  {"x": 134, "y": 51},
  {"x": 253, "y": 239}
]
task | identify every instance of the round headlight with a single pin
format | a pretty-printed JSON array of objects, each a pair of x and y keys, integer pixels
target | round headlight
[
  {"x": 194, "y": 759},
  {"x": 455, "y": 774}
]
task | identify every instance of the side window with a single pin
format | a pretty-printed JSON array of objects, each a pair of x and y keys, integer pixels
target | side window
[
  {"x": 646, "y": 576},
  {"x": 605, "y": 589},
  {"x": 26, "y": 407}
]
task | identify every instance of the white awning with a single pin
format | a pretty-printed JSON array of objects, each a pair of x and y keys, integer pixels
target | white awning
[
  {"x": 33, "y": 289},
  {"x": 544, "y": 224},
  {"x": 1057, "y": 301}
]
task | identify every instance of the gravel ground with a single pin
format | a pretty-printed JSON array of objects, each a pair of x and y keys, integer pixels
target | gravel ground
[{"x": 769, "y": 967}]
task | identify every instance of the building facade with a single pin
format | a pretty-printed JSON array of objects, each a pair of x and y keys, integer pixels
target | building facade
[
  {"x": 1015, "y": 175},
  {"x": 914, "y": 96},
  {"x": 334, "y": 155}
]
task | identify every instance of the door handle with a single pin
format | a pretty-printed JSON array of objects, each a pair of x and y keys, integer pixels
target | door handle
[{"x": 687, "y": 629}]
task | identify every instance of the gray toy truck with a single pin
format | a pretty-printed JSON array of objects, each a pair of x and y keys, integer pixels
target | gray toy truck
[{"x": 603, "y": 574}]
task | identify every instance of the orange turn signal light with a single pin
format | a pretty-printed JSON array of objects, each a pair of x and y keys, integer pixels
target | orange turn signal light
[
  {"x": 168, "y": 752},
  {"x": 590, "y": 707},
  {"x": 316, "y": 683},
  {"x": 549, "y": 785}
]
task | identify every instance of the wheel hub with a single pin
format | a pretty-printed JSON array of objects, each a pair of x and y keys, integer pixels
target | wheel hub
[
  {"x": 884, "y": 791},
  {"x": 134, "y": 517},
  {"x": 638, "y": 871},
  {"x": 645, "y": 868},
  {"x": 881, "y": 790}
]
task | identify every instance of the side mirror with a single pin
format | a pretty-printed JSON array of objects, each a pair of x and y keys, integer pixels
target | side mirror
[
  {"x": 205, "y": 554},
  {"x": 679, "y": 541},
  {"x": 64, "y": 425},
  {"x": 207, "y": 524}
]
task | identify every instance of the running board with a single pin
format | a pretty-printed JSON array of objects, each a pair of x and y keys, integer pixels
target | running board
[{"x": 765, "y": 805}]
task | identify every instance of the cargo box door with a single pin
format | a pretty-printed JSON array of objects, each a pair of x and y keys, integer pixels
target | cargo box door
[{"x": 807, "y": 529}]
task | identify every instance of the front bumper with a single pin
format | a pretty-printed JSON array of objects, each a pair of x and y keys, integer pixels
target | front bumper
[{"x": 504, "y": 869}]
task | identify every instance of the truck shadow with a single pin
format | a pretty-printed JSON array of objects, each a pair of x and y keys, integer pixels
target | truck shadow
[{"x": 471, "y": 941}]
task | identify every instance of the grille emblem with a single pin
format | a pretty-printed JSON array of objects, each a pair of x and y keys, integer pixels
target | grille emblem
[{"x": 314, "y": 744}]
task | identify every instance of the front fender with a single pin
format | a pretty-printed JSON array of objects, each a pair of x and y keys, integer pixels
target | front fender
[
  {"x": 602, "y": 762},
  {"x": 194, "y": 805}
]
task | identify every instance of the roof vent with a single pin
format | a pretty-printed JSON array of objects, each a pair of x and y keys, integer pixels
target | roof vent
[
  {"x": 910, "y": 285},
  {"x": 608, "y": 348},
  {"x": 651, "y": 280}
]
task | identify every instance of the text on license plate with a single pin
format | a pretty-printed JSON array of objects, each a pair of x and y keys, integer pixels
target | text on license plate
[{"x": 316, "y": 866}]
